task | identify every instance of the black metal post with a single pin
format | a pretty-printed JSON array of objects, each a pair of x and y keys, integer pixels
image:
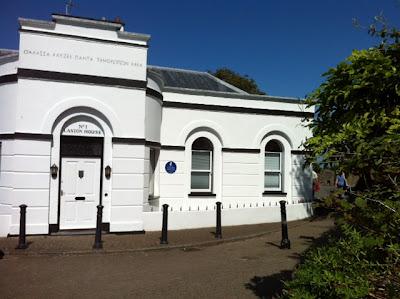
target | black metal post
[
  {"x": 164, "y": 232},
  {"x": 218, "y": 229},
  {"x": 22, "y": 228},
  {"x": 285, "y": 243},
  {"x": 98, "y": 244}
]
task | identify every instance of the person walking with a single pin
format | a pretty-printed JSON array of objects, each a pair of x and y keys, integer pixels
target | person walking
[{"x": 341, "y": 181}]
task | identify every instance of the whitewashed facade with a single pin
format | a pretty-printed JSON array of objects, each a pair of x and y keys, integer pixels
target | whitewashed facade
[{"x": 84, "y": 120}]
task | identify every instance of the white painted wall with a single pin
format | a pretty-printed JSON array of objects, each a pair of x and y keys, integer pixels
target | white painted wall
[
  {"x": 302, "y": 180},
  {"x": 236, "y": 102},
  {"x": 153, "y": 117},
  {"x": 43, "y": 107},
  {"x": 237, "y": 130},
  {"x": 8, "y": 107},
  {"x": 8, "y": 66},
  {"x": 229, "y": 217},
  {"x": 25, "y": 180},
  {"x": 123, "y": 107},
  {"x": 128, "y": 184}
]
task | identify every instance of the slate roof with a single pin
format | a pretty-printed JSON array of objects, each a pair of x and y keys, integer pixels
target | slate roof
[
  {"x": 188, "y": 79},
  {"x": 7, "y": 52}
]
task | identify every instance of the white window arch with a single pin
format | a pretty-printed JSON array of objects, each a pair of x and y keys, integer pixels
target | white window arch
[
  {"x": 201, "y": 165},
  {"x": 203, "y": 160},
  {"x": 273, "y": 164},
  {"x": 275, "y": 156}
]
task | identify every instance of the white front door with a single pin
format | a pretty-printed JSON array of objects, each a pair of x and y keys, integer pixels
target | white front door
[{"x": 80, "y": 192}]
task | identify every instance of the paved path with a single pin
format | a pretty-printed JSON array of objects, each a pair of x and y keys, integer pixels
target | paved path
[
  {"x": 242, "y": 269},
  {"x": 116, "y": 243}
]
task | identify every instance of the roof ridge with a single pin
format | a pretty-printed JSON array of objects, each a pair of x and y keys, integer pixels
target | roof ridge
[{"x": 233, "y": 87}]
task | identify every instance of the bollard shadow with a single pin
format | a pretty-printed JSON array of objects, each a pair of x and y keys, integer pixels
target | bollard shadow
[
  {"x": 272, "y": 286},
  {"x": 273, "y": 244},
  {"x": 311, "y": 238},
  {"x": 27, "y": 243},
  {"x": 213, "y": 233},
  {"x": 269, "y": 286},
  {"x": 295, "y": 256}
]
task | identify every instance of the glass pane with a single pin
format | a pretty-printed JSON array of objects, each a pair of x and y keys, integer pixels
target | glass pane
[
  {"x": 200, "y": 160},
  {"x": 200, "y": 180},
  {"x": 273, "y": 146},
  {"x": 271, "y": 180},
  {"x": 272, "y": 161},
  {"x": 202, "y": 143}
]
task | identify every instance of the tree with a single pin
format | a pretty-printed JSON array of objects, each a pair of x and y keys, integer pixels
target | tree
[
  {"x": 242, "y": 82},
  {"x": 358, "y": 113},
  {"x": 357, "y": 127}
]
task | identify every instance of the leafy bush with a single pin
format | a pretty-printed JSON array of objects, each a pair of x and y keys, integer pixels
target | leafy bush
[
  {"x": 357, "y": 129},
  {"x": 339, "y": 269}
]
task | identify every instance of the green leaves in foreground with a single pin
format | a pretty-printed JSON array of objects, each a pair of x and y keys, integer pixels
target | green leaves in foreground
[
  {"x": 343, "y": 268},
  {"x": 357, "y": 129},
  {"x": 357, "y": 122}
]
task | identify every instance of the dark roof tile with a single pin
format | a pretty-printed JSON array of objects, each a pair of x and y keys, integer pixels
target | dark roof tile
[{"x": 191, "y": 79}]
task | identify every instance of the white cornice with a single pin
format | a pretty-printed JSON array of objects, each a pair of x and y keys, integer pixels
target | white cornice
[
  {"x": 86, "y": 22},
  {"x": 23, "y": 22}
]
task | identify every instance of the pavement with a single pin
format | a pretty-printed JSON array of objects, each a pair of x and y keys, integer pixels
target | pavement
[
  {"x": 248, "y": 264},
  {"x": 119, "y": 242}
]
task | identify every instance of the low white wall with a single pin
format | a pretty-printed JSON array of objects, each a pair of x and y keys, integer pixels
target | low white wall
[{"x": 152, "y": 221}]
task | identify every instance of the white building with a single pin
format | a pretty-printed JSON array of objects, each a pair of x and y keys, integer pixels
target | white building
[{"x": 84, "y": 120}]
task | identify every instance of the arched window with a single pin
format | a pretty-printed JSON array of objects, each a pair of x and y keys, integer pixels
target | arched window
[
  {"x": 202, "y": 165},
  {"x": 273, "y": 166}
]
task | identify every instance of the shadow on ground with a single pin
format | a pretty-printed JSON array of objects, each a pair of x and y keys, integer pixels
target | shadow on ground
[{"x": 269, "y": 287}]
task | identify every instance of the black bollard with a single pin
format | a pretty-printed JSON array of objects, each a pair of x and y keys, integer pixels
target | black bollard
[
  {"x": 218, "y": 229},
  {"x": 285, "y": 243},
  {"x": 22, "y": 228},
  {"x": 98, "y": 244},
  {"x": 164, "y": 232}
]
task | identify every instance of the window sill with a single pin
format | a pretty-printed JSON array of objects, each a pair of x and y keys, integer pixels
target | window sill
[
  {"x": 200, "y": 194},
  {"x": 274, "y": 193}
]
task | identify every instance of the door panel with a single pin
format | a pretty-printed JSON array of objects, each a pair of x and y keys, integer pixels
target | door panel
[{"x": 80, "y": 192}]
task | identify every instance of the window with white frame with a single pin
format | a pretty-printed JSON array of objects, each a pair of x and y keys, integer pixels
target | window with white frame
[
  {"x": 202, "y": 165},
  {"x": 273, "y": 166}
]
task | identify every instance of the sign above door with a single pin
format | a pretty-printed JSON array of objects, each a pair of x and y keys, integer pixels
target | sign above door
[{"x": 82, "y": 128}]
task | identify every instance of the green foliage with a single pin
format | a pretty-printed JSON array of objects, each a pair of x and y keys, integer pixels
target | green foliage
[
  {"x": 345, "y": 267},
  {"x": 358, "y": 114},
  {"x": 358, "y": 111},
  {"x": 242, "y": 82},
  {"x": 357, "y": 128}
]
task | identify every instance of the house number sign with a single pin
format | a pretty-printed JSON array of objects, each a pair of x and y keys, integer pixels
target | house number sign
[{"x": 83, "y": 128}]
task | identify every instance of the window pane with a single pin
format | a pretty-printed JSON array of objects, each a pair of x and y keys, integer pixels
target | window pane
[
  {"x": 200, "y": 160},
  {"x": 272, "y": 161},
  {"x": 271, "y": 180},
  {"x": 273, "y": 146},
  {"x": 200, "y": 180}
]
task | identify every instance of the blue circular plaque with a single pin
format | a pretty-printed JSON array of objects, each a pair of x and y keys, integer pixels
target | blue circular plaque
[{"x": 170, "y": 167}]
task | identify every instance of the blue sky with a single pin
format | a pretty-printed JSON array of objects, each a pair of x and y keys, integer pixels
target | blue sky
[{"x": 284, "y": 45}]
